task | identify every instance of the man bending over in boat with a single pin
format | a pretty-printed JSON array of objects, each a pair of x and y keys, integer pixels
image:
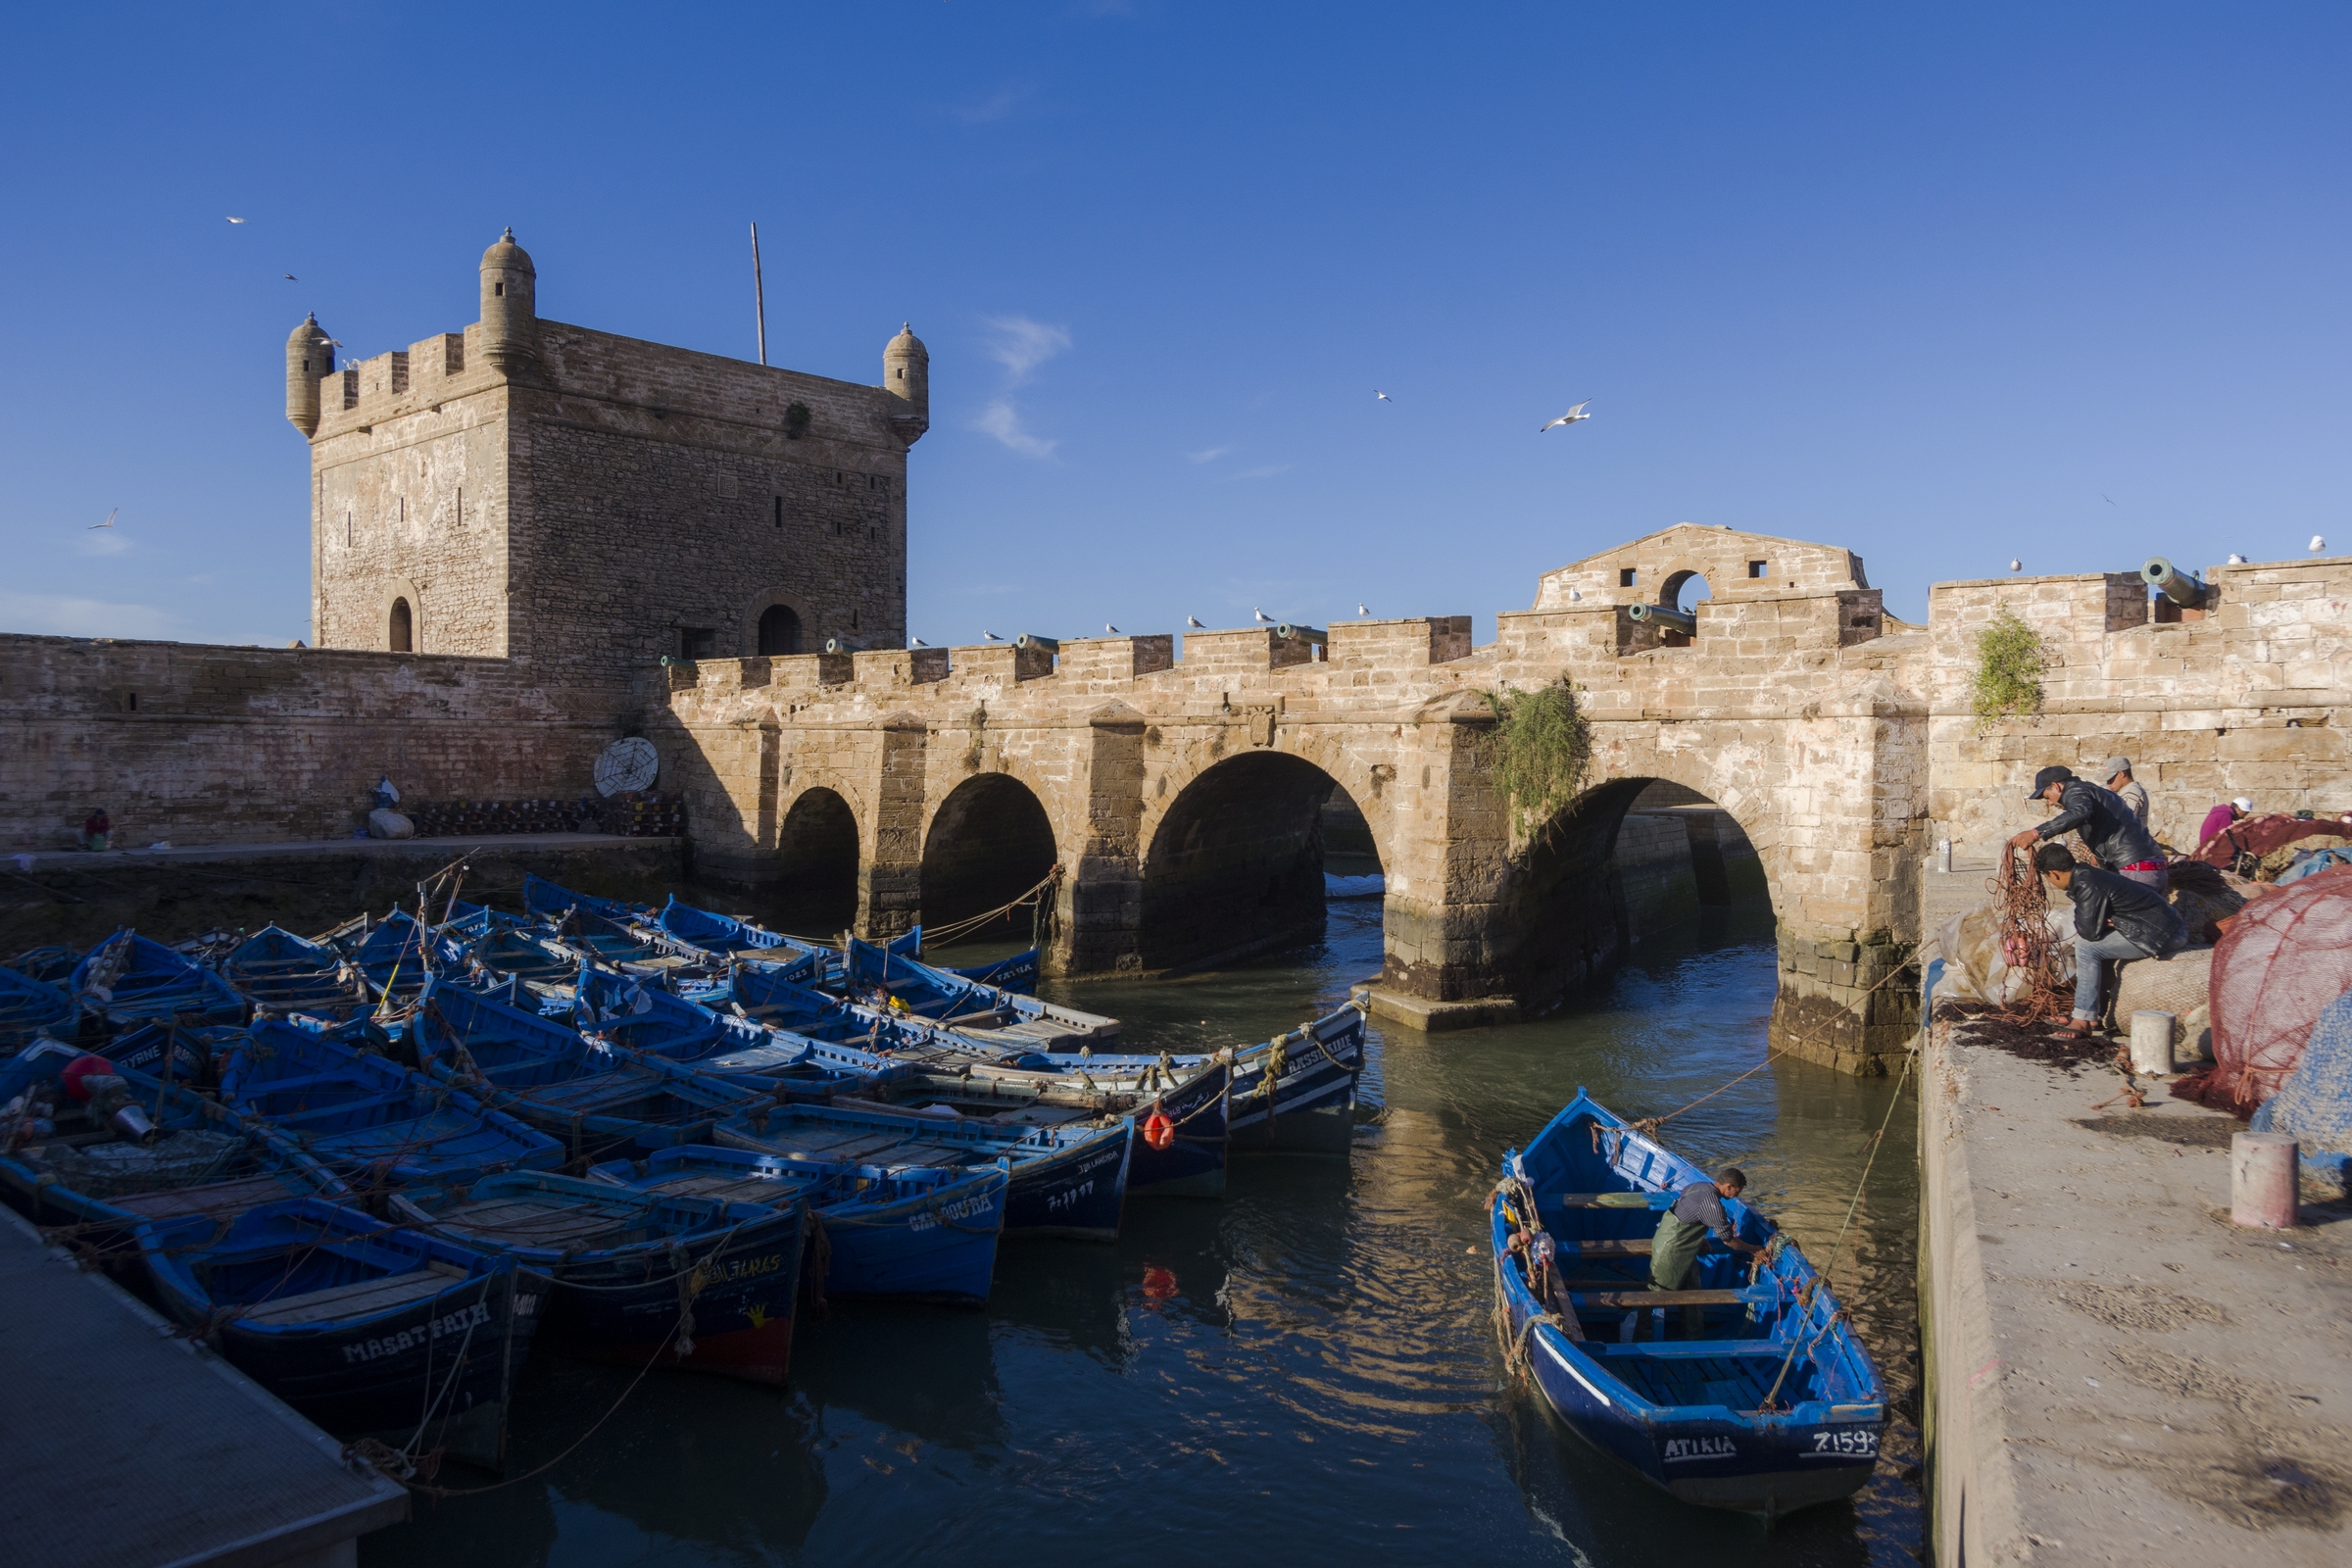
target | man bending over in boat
[{"x": 1683, "y": 1229}]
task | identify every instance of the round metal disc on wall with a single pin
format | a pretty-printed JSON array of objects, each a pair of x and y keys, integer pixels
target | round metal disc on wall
[{"x": 629, "y": 765}]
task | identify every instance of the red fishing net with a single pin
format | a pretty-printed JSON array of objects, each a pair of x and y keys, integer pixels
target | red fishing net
[{"x": 2285, "y": 956}]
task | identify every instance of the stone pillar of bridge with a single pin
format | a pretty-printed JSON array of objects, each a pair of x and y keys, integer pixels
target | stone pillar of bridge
[
  {"x": 1099, "y": 907},
  {"x": 889, "y": 859}
]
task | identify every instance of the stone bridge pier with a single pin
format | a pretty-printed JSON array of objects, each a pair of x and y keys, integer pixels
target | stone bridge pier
[{"x": 1182, "y": 798}]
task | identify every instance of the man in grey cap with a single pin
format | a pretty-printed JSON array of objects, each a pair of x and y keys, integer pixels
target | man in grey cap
[
  {"x": 2129, "y": 790},
  {"x": 2109, "y": 830}
]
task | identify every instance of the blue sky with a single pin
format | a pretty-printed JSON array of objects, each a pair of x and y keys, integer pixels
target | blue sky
[{"x": 1945, "y": 285}]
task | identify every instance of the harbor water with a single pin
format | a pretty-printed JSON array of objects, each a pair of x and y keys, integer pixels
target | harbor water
[{"x": 1301, "y": 1372}]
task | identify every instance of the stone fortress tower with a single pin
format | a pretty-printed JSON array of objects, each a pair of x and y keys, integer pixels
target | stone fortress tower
[{"x": 585, "y": 503}]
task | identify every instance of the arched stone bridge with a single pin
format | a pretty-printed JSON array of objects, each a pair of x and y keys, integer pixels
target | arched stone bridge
[{"x": 1182, "y": 798}]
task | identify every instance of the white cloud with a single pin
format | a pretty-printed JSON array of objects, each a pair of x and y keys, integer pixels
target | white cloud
[
  {"x": 1004, "y": 421},
  {"x": 1022, "y": 345},
  {"x": 61, "y": 615},
  {"x": 1206, "y": 455},
  {"x": 1000, "y": 105}
]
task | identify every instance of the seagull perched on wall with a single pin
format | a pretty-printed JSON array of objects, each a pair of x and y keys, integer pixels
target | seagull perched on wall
[
  {"x": 1361, "y": 610},
  {"x": 1262, "y": 616},
  {"x": 2235, "y": 559},
  {"x": 991, "y": 636},
  {"x": 1383, "y": 396},
  {"x": 916, "y": 642},
  {"x": 110, "y": 519},
  {"x": 1570, "y": 418},
  {"x": 1194, "y": 621},
  {"x": 2016, "y": 564},
  {"x": 2317, "y": 543},
  {"x": 1113, "y": 630}
]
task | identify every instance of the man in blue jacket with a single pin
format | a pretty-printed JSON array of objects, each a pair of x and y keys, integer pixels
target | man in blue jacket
[
  {"x": 2109, "y": 829},
  {"x": 2114, "y": 918}
]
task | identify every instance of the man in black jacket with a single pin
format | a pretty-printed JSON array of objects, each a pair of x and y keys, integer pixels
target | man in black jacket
[
  {"x": 2108, "y": 829},
  {"x": 2114, "y": 918}
]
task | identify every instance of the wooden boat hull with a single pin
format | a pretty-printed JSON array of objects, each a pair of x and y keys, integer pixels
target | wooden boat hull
[
  {"x": 1690, "y": 1416},
  {"x": 1311, "y": 1106},
  {"x": 1192, "y": 1166},
  {"x": 744, "y": 1287},
  {"x": 1077, "y": 1194}
]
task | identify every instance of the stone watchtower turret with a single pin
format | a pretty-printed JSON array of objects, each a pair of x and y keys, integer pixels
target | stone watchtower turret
[{"x": 587, "y": 504}]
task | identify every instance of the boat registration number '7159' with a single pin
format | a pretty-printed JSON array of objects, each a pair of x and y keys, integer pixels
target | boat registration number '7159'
[{"x": 1844, "y": 1442}]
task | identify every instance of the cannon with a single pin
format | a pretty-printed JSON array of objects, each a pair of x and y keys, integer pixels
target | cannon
[
  {"x": 1288, "y": 632},
  {"x": 2182, "y": 588},
  {"x": 1665, "y": 619},
  {"x": 1030, "y": 639},
  {"x": 841, "y": 644}
]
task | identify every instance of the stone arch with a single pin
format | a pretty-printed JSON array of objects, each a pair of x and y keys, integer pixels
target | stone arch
[
  {"x": 1234, "y": 863},
  {"x": 760, "y": 603},
  {"x": 817, "y": 860},
  {"x": 989, "y": 840},
  {"x": 397, "y": 591}
]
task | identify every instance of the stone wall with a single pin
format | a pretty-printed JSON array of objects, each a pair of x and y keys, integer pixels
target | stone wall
[
  {"x": 1653, "y": 866},
  {"x": 204, "y": 745}
]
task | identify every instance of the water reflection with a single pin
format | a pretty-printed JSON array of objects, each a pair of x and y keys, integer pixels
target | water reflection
[{"x": 1306, "y": 1368}]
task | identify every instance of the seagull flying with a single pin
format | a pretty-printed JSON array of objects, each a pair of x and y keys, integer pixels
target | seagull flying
[
  {"x": 110, "y": 520},
  {"x": 2104, "y": 496},
  {"x": 1570, "y": 418},
  {"x": 236, "y": 219},
  {"x": 2015, "y": 565},
  {"x": 291, "y": 278},
  {"x": 2317, "y": 543},
  {"x": 991, "y": 636},
  {"x": 1194, "y": 621},
  {"x": 1113, "y": 630},
  {"x": 1262, "y": 616},
  {"x": 1383, "y": 396}
]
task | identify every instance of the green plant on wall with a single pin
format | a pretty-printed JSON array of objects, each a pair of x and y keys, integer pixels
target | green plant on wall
[
  {"x": 2010, "y": 659},
  {"x": 1541, "y": 744}
]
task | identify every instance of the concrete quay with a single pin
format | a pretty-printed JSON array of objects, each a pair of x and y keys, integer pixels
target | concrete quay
[
  {"x": 2116, "y": 1373},
  {"x": 127, "y": 1447}
]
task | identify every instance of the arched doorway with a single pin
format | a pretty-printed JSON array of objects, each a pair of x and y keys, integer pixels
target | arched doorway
[
  {"x": 401, "y": 633},
  {"x": 1629, "y": 860},
  {"x": 989, "y": 843},
  {"x": 780, "y": 631},
  {"x": 1238, "y": 864},
  {"x": 817, "y": 864}
]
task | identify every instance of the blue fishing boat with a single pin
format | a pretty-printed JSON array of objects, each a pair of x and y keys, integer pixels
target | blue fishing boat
[
  {"x": 1067, "y": 1181},
  {"x": 366, "y": 1328},
  {"x": 370, "y": 1120},
  {"x": 1771, "y": 1404},
  {"x": 694, "y": 1283},
  {"x": 102, "y": 1159},
  {"x": 30, "y": 1007},
  {"x": 288, "y": 973},
  {"x": 728, "y": 936},
  {"x": 1016, "y": 973},
  {"x": 523, "y": 952},
  {"x": 930, "y": 1234},
  {"x": 1296, "y": 1093},
  {"x": 394, "y": 959},
  {"x": 779, "y": 997},
  {"x": 51, "y": 965},
  {"x": 1000, "y": 1017},
  {"x": 637, "y": 1014},
  {"x": 603, "y": 1102},
  {"x": 132, "y": 980},
  {"x": 548, "y": 900}
]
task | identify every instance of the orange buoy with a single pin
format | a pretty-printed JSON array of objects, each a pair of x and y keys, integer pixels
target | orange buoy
[{"x": 1159, "y": 1131}]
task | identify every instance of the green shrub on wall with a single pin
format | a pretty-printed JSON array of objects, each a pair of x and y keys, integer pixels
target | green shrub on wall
[
  {"x": 2010, "y": 659},
  {"x": 1542, "y": 743}
]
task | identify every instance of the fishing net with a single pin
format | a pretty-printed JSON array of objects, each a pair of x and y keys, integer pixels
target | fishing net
[
  {"x": 116, "y": 1169},
  {"x": 2285, "y": 958},
  {"x": 2031, "y": 942},
  {"x": 2315, "y": 1105}
]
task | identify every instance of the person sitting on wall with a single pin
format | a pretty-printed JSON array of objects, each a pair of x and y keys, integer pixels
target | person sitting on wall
[
  {"x": 2115, "y": 918},
  {"x": 95, "y": 830},
  {"x": 1683, "y": 1229},
  {"x": 2129, "y": 790},
  {"x": 2220, "y": 818},
  {"x": 2109, "y": 830}
]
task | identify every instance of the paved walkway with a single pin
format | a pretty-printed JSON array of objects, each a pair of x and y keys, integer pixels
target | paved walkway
[
  {"x": 125, "y": 1446},
  {"x": 2118, "y": 1374},
  {"x": 194, "y": 853}
]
